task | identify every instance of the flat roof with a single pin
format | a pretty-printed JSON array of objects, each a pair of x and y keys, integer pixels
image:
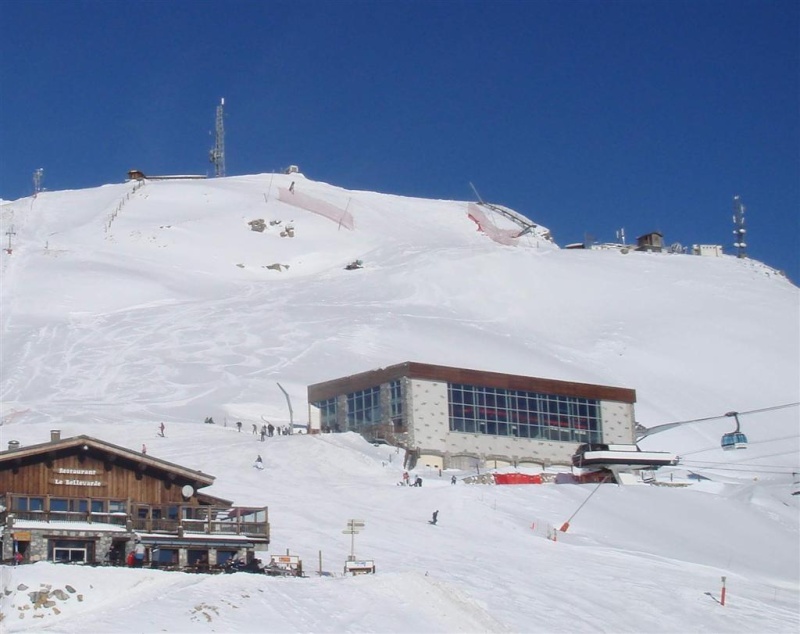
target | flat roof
[{"x": 425, "y": 371}]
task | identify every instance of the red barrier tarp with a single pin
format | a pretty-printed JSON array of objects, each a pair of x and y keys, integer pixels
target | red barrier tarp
[{"x": 516, "y": 478}]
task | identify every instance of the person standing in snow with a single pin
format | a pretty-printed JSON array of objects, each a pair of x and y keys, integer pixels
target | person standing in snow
[
  {"x": 138, "y": 554},
  {"x": 144, "y": 448},
  {"x": 270, "y": 430},
  {"x": 255, "y": 429},
  {"x": 239, "y": 425},
  {"x": 435, "y": 517},
  {"x": 161, "y": 428},
  {"x": 258, "y": 464},
  {"x": 453, "y": 480}
]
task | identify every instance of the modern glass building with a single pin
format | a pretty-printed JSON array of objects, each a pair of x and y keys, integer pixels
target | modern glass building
[{"x": 455, "y": 417}]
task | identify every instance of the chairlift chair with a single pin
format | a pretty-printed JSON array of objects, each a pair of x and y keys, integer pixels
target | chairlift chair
[{"x": 734, "y": 439}]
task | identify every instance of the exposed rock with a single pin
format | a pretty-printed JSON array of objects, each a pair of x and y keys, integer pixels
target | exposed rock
[
  {"x": 70, "y": 589},
  {"x": 59, "y": 594},
  {"x": 22, "y": 587},
  {"x": 38, "y": 596}
]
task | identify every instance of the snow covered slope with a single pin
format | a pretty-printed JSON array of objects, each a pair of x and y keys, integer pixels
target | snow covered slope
[{"x": 120, "y": 309}]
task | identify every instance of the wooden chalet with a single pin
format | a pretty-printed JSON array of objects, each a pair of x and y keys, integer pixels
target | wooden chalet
[
  {"x": 653, "y": 241},
  {"x": 84, "y": 500}
]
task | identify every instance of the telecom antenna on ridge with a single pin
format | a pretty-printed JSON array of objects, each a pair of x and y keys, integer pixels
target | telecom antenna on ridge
[
  {"x": 217, "y": 154},
  {"x": 38, "y": 175},
  {"x": 739, "y": 231}
]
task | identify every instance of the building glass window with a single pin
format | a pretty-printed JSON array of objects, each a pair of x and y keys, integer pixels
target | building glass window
[
  {"x": 327, "y": 413},
  {"x": 70, "y": 551},
  {"x": 396, "y": 399},
  {"x": 164, "y": 556},
  {"x": 224, "y": 556},
  {"x": 363, "y": 408},
  {"x": 59, "y": 505},
  {"x": 500, "y": 412}
]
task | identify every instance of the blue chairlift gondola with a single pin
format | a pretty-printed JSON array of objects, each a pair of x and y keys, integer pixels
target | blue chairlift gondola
[{"x": 734, "y": 439}]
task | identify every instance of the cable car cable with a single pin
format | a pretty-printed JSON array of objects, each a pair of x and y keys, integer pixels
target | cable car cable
[
  {"x": 707, "y": 418},
  {"x": 752, "y": 442}
]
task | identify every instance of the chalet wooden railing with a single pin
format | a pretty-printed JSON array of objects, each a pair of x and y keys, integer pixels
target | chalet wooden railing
[{"x": 251, "y": 522}]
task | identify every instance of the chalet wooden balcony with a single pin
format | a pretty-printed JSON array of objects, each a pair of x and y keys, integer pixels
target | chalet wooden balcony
[{"x": 250, "y": 522}]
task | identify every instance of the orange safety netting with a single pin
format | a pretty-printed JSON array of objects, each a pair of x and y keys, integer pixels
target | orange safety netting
[
  {"x": 341, "y": 216},
  {"x": 503, "y": 236}
]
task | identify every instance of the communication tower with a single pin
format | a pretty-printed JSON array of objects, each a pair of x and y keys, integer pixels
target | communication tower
[
  {"x": 38, "y": 175},
  {"x": 217, "y": 154},
  {"x": 739, "y": 231}
]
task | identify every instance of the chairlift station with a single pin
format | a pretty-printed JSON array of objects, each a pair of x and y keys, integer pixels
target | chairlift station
[{"x": 449, "y": 417}]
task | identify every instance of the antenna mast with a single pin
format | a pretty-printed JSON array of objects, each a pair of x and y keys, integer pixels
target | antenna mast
[
  {"x": 217, "y": 154},
  {"x": 38, "y": 175},
  {"x": 739, "y": 230}
]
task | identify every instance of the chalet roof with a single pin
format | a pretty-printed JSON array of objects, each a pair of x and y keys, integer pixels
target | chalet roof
[{"x": 110, "y": 452}]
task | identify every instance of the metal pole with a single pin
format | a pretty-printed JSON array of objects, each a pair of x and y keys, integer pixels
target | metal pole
[{"x": 565, "y": 526}]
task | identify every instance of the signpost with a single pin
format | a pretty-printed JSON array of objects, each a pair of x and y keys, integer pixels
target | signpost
[
  {"x": 352, "y": 565},
  {"x": 353, "y": 527}
]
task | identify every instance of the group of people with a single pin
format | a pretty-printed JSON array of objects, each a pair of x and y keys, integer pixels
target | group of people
[
  {"x": 135, "y": 558},
  {"x": 267, "y": 430},
  {"x": 407, "y": 480}
]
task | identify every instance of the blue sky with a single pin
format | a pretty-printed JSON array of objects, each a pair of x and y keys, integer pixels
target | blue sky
[{"x": 585, "y": 116}]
